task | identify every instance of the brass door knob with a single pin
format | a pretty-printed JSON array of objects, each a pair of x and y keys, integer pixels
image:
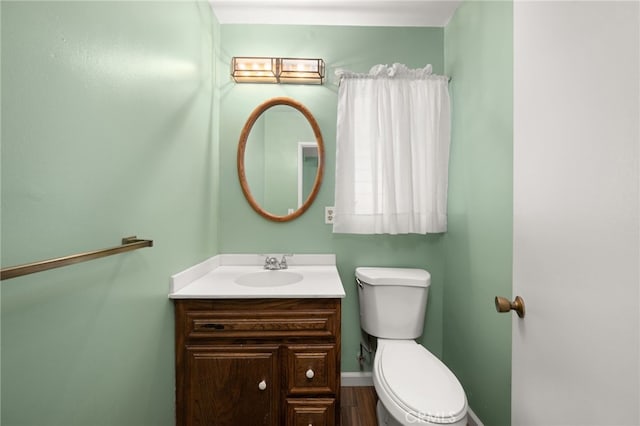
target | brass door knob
[{"x": 503, "y": 305}]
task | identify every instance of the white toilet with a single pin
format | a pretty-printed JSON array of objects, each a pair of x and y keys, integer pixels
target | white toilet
[{"x": 414, "y": 387}]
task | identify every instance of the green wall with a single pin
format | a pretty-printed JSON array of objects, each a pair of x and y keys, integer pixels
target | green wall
[
  {"x": 111, "y": 127},
  {"x": 106, "y": 132},
  {"x": 477, "y": 341},
  {"x": 244, "y": 231}
]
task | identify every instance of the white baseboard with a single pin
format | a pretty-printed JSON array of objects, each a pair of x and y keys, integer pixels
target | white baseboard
[
  {"x": 356, "y": 378},
  {"x": 472, "y": 419},
  {"x": 365, "y": 379}
]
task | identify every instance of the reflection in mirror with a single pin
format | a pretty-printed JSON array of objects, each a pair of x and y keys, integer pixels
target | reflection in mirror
[
  {"x": 271, "y": 158},
  {"x": 307, "y": 169},
  {"x": 280, "y": 159}
]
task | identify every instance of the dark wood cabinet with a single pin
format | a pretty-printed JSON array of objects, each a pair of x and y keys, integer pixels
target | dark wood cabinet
[
  {"x": 310, "y": 411},
  {"x": 228, "y": 384},
  {"x": 258, "y": 362}
]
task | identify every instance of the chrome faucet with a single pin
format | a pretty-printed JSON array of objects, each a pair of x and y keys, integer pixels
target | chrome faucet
[{"x": 271, "y": 263}]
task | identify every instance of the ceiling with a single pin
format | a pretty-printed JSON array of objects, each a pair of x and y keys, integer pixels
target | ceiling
[{"x": 400, "y": 13}]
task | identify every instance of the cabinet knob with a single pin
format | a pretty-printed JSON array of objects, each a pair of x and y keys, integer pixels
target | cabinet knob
[
  {"x": 310, "y": 374},
  {"x": 262, "y": 385}
]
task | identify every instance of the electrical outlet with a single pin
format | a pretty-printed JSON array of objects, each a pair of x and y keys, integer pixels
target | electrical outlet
[{"x": 328, "y": 215}]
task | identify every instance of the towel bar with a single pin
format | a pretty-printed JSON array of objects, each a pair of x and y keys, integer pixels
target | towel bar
[{"x": 128, "y": 244}]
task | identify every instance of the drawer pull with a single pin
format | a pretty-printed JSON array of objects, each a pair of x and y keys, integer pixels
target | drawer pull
[
  {"x": 213, "y": 326},
  {"x": 310, "y": 374},
  {"x": 262, "y": 385}
]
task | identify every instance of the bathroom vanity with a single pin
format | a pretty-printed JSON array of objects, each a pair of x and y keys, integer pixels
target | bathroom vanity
[{"x": 264, "y": 353}]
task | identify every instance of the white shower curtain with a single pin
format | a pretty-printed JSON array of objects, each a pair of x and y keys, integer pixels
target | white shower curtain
[{"x": 392, "y": 156}]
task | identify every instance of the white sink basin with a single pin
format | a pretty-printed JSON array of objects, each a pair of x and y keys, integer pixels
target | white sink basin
[{"x": 267, "y": 278}]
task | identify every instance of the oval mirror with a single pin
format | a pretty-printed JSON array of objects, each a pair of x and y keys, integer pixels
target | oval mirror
[{"x": 280, "y": 159}]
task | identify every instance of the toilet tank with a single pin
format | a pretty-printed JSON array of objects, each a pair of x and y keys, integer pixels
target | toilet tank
[{"x": 393, "y": 301}]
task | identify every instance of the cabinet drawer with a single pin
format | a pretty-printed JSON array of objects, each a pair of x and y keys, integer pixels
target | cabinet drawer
[
  {"x": 259, "y": 320},
  {"x": 311, "y": 412},
  {"x": 311, "y": 369}
]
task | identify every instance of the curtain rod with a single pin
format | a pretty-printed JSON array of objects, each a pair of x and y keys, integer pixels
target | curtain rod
[{"x": 128, "y": 244}]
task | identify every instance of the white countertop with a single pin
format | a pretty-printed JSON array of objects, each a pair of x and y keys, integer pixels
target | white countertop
[{"x": 215, "y": 278}]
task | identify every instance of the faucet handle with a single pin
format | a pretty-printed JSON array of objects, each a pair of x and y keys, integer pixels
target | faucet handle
[
  {"x": 270, "y": 262},
  {"x": 283, "y": 262}
]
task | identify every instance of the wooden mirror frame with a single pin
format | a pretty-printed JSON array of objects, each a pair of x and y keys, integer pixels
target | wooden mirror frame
[{"x": 242, "y": 145}]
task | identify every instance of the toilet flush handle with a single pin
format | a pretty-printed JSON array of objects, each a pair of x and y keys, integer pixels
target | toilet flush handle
[{"x": 503, "y": 305}]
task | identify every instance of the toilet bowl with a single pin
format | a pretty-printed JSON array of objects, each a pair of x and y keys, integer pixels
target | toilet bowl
[{"x": 414, "y": 387}]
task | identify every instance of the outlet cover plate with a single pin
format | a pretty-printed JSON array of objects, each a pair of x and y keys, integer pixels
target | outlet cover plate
[{"x": 328, "y": 215}]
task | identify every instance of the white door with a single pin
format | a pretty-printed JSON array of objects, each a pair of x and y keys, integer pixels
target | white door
[{"x": 576, "y": 218}]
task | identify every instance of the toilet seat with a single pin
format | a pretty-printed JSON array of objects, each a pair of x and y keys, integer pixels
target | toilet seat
[{"x": 417, "y": 383}]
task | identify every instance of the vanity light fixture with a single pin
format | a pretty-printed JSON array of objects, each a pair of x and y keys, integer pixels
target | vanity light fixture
[
  {"x": 254, "y": 70},
  {"x": 301, "y": 71},
  {"x": 277, "y": 70}
]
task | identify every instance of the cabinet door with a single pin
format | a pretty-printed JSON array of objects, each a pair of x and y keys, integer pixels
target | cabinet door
[{"x": 232, "y": 385}]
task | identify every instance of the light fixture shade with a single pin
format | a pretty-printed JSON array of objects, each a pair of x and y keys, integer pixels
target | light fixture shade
[
  {"x": 254, "y": 70},
  {"x": 277, "y": 70},
  {"x": 301, "y": 71}
]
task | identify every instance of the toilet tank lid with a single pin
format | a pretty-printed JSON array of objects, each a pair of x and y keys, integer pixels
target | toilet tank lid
[{"x": 411, "y": 277}]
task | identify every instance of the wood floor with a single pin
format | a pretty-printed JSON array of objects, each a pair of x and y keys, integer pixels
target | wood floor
[{"x": 358, "y": 406}]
